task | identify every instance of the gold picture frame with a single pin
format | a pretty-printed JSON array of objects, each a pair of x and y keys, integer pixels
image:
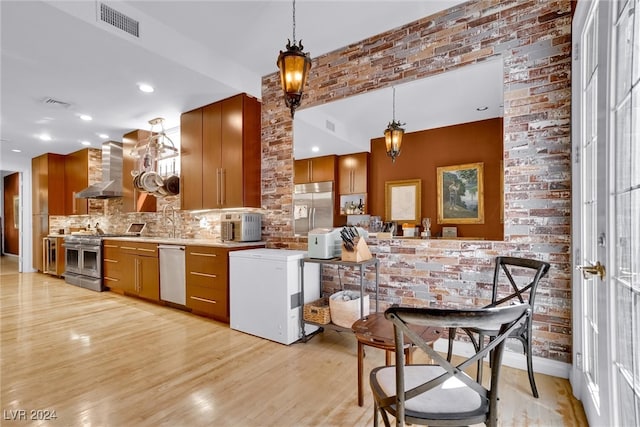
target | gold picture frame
[
  {"x": 461, "y": 194},
  {"x": 403, "y": 200}
]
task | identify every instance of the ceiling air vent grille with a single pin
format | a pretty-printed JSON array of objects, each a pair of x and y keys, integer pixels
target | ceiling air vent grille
[
  {"x": 119, "y": 20},
  {"x": 52, "y": 102}
]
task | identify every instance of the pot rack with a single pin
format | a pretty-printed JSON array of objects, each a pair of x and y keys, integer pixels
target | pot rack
[{"x": 156, "y": 148}]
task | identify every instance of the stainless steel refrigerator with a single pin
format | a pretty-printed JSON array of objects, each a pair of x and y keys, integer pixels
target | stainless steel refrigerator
[{"x": 312, "y": 207}]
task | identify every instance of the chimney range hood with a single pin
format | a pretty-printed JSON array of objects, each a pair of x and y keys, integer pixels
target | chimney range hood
[{"x": 111, "y": 185}]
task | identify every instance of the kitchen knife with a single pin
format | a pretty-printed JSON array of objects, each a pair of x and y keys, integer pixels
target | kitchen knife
[{"x": 347, "y": 240}]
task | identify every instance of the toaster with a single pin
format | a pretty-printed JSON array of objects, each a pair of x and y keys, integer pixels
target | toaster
[{"x": 324, "y": 243}]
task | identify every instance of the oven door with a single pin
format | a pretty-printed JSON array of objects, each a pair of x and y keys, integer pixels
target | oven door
[
  {"x": 91, "y": 261},
  {"x": 73, "y": 258}
]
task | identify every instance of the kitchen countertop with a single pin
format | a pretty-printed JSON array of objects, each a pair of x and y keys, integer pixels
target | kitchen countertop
[
  {"x": 181, "y": 241},
  {"x": 176, "y": 241}
]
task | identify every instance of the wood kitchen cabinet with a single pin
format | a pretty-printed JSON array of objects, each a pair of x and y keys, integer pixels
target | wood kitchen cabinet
[
  {"x": 207, "y": 271},
  {"x": 47, "y": 198},
  {"x": 39, "y": 230},
  {"x": 132, "y": 199},
  {"x": 315, "y": 169},
  {"x": 220, "y": 155},
  {"x": 131, "y": 268},
  {"x": 76, "y": 179},
  {"x": 352, "y": 173},
  {"x": 47, "y": 180}
]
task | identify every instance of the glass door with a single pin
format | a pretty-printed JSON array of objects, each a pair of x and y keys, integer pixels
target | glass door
[
  {"x": 625, "y": 198},
  {"x": 606, "y": 144}
]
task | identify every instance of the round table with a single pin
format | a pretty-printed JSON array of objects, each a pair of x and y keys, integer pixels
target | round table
[{"x": 376, "y": 331}]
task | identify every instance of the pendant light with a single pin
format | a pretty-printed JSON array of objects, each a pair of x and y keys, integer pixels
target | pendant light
[
  {"x": 393, "y": 134},
  {"x": 294, "y": 68}
]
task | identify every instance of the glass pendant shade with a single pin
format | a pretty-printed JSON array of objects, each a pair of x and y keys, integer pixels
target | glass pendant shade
[
  {"x": 393, "y": 134},
  {"x": 393, "y": 139},
  {"x": 294, "y": 68}
]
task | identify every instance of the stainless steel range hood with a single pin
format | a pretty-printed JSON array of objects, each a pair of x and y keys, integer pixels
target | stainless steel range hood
[{"x": 111, "y": 185}]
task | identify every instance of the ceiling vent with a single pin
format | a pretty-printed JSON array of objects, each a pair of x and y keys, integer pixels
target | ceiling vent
[
  {"x": 119, "y": 20},
  {"x": 52, "y": 102},
  {"x": 330, "y": 125}
]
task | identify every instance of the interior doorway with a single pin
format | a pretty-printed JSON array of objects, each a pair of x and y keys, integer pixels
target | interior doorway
[{"x": 12, "y": 213}]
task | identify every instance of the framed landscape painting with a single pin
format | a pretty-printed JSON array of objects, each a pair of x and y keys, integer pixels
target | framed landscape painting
[{"x": 461, "y": 194}]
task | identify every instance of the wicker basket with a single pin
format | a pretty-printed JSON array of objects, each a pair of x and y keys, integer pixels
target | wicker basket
[{"x": 317, "y": 311}]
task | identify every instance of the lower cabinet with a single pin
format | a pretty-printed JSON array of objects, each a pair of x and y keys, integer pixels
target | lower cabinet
[
  {"x": 207, "y": 270},
  {"x": 207, "y": 281},
  {"x": 132, "y": 268}
]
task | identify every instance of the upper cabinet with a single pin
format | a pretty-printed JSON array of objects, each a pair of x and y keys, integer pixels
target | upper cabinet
[
  {"x": 48, "y": 184},
  {"x": 352, "y": 173},
  {"x": 316, "y": 169},
  {"x": 220, "y": 155},
  {"x": 132, "y": 199},
  {"x": 76, "y": 173}
]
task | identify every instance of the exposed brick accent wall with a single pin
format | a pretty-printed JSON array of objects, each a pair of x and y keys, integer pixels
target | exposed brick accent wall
[{"x": 534, "y": 39}]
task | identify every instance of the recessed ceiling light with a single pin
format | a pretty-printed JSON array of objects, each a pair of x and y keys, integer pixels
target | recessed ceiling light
[
  {"x": 103, "y": 135},
  {"x": 145, "y": 87},
  {"x": 86, "y": 117},
  {"x": 15, "y": 150},
  {"x": 44, "y": 137},
  {"x": 483, "y": 108},
  {"x": 315, "y": 149},
  {"x": 85, "y": 143}
]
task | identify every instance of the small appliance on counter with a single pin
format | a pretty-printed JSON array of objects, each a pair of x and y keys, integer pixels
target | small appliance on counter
[
  {"x": 241, "y": 227},
  {"x": 324, "y": 243}
]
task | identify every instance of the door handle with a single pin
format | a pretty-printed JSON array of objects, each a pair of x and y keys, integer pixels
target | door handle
[{"x": 592, "y": 270}]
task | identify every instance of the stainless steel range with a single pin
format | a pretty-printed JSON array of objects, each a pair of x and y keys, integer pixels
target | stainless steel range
[
  {"x": 83, "y": 257},
  {"x": 83, "y": 261}
]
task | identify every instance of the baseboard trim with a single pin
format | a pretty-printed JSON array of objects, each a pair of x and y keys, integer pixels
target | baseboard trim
[{"x": 513, "y": 359}]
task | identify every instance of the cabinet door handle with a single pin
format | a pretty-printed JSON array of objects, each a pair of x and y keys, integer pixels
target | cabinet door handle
[
  {"x": 195, "y": 273},
  {"x": 110, "y": 246},
  {"x": 137, "y": 273},
  {"x": 146, "y": 250},
  {"x": 129, "y": 247},
  {"x": 202, "y": 254},
  {"x": 74, "y": 208},
  {"x": 218, "y": 178},
  {"x": 110, "y": 260},
  {"x": 204, "y": 300},
  {"x": 111, "y": 279},
  {"x": 351, "y": 178},
  {"x": 223, "y": 186}
]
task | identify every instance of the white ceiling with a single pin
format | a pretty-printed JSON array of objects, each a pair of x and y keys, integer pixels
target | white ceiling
[{"x": 193, "y": 52}]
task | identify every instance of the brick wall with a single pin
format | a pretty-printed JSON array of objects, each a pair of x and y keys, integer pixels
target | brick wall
[{"x": 534, "y": 39}]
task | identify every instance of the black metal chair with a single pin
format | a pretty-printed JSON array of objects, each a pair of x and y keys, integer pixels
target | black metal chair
[
  {"x": 441, "y": 394},
  {"x": 522, "y": 279}
]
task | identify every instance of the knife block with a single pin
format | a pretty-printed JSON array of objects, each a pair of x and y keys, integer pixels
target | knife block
[{"x": 360, "y": 252}]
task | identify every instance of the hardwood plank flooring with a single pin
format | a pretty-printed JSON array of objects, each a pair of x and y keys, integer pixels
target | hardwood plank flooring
[{"x": 102, "y": 359}]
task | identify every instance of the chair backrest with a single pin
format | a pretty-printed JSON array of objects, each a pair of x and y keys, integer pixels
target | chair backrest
[
  {"x": 507, "y": 317},
  {"x": 522, "y": 278}
]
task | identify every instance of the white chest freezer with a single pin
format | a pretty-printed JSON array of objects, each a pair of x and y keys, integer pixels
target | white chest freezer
[{"x": 264, "y": 293}]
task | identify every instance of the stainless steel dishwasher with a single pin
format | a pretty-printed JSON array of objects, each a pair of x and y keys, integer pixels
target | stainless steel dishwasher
[{"x": 172, "y": 274}]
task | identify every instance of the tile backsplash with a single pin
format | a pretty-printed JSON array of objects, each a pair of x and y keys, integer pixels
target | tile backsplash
[{"x": 169, "y": 217}]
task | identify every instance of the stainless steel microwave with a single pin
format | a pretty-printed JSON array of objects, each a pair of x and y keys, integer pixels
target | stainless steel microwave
[{"x": 241, "y": 227}]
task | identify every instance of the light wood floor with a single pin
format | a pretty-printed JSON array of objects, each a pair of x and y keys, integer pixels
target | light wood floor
[{"x": 101, "y": 359}]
